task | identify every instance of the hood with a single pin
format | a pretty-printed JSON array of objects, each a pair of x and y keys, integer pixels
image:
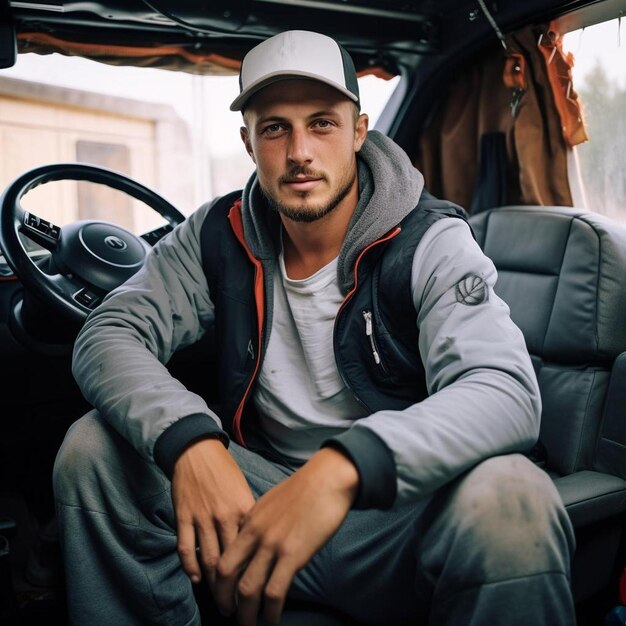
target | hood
[{"x": 389, "y": 188}]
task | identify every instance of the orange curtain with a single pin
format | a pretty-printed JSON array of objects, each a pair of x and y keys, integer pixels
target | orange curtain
[{"x": 535, "y": 74}]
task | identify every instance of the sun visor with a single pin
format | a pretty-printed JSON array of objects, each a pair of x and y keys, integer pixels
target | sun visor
[
  {"x": 183, "y": 58},
  {"x": 170, "y": 57}
]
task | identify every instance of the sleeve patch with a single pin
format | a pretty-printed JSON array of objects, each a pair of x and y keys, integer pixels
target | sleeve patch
[{"x": 471, "y": 290}]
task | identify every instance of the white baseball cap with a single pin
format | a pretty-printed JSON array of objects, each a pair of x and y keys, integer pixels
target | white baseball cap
[{"x": 296, "y": 54}]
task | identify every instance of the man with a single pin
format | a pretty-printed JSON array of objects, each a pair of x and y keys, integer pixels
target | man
[{"x": 372, "y": 388}]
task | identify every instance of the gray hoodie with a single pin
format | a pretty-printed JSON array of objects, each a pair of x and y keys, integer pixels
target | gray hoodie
[{"x": 484, "y": 398}]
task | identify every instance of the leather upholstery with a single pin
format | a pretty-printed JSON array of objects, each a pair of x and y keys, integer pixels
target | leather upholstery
[
  {"x": 591, "y": 496},
  {"x": 611, "y": 452},
  {"x": 563, "y": 274},
  {"x": 571, "y": 266}
]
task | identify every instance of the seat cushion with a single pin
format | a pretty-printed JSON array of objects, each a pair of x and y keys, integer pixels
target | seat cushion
[{"x": 591, "y": 496}]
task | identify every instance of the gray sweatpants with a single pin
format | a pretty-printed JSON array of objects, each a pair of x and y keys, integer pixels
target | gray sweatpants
[{"x": 493, "y": 547}]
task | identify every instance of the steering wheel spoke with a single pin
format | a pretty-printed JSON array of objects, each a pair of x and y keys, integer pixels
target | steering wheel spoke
[
  {"x": 40, "y": 231},
  {"x": 73, "y": 289},
  {"x": 154, "y": 236}
]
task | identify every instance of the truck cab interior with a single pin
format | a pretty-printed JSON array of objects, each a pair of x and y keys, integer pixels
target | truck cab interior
[{"x": 485, "y": 99}]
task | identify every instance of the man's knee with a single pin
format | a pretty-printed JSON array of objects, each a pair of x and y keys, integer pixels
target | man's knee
[
  {"x": 507, "y": 515},
  {"x": 85, "y": 472},
  {"x": 97, "y": 470},
  {"x": 507, "y": 489},
  {"x": 84, "y": 447}
]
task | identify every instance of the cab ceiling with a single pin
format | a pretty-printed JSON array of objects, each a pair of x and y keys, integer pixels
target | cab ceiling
[{"x": 386, "y": 33}]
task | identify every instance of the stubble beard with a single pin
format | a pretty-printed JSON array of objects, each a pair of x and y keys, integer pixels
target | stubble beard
[{"x": 308, "y": 214}]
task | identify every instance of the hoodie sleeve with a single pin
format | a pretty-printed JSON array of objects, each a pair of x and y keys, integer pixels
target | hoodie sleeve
[
  {"x": 483, "y": 394},
  {"x": 120, "y": 353}
]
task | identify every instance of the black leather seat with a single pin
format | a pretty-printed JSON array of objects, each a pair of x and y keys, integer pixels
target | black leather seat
[{"x": 563, "y": 274}]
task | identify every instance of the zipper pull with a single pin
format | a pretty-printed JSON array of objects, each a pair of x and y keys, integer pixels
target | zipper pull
[
  {"x": 367, "y": 315},
  {"x": 369, "y": 333}
]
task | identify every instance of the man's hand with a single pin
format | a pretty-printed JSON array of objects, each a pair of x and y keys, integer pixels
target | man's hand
[
  {"x": 281, "y": 533},
  {"x": 211, "y": 498}
]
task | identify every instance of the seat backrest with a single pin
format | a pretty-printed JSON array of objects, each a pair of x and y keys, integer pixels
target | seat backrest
[{"x": 562, "y": 272}]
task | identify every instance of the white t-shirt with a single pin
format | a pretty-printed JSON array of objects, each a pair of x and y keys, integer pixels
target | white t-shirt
[{"x": 300, "y": 396}]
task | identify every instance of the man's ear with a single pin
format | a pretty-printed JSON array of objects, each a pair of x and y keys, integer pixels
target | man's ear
[
  {"x": 245, "y": 137},
  {"x": 360, "y": 131}
]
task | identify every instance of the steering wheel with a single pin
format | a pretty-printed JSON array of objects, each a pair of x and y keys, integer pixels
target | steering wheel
[{"x": 89, "y": 258}]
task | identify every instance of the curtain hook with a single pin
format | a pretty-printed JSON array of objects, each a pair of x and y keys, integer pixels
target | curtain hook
[{"x": 551, "y": 58}]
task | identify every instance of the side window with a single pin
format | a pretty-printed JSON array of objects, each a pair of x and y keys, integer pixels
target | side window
[{"x": 600, "y": 77}]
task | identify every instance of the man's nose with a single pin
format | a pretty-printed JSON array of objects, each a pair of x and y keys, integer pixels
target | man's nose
[{"x": 299, "y": 150}]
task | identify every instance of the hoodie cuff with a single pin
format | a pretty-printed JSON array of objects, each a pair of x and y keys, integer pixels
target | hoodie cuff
[
  {"x": 375, "y": 463},
  {"x": 174, "y": 440}
]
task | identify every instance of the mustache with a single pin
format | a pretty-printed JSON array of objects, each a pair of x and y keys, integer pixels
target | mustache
[{"x": 296, "y": 172}]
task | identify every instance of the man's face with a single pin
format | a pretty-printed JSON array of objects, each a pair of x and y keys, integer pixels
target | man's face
[{"x": 303, "y": 137}]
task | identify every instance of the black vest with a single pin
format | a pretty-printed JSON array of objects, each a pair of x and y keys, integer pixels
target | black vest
[{"x": 375, "y": 336}]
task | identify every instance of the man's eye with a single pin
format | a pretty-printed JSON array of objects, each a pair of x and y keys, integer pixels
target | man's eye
[
  {"x": 323, "y": 124},
  {"x": 273, "y": 128}
]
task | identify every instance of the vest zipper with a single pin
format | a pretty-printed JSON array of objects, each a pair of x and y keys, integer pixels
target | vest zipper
[
  {"x": 387, "y": 237},
  {"x": 369, "y": 333}
]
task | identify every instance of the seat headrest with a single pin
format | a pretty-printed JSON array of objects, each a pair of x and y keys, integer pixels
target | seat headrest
[{"x": 562, "y": 272}]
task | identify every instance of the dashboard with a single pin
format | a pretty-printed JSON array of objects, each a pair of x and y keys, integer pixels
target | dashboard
[{"x": 36, "y": 253}]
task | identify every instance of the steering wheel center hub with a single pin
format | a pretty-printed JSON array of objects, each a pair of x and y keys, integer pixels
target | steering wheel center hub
[
  {"x": 112, "y": 244},
  {"x": 101, "y": 254}
]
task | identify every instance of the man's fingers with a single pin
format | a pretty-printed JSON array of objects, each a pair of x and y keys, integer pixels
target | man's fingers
[
  {"x": 187, "y": 551},
  {"x": 232, "y": 563},
  {"x": 209, "y": 553},
  {"x": 251, "y": 587},
  {"x": 227, "y": 534},
  {"x": 276, "y": 590}
]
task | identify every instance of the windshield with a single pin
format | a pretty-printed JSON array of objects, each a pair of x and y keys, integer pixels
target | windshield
[{"x": 169, "y": 130}]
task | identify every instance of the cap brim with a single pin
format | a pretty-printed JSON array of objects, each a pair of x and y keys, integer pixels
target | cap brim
[{"x": 239, "y": 102}]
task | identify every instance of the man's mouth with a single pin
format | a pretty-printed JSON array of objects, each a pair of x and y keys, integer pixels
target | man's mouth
[{"x": 301, "y": 182}]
